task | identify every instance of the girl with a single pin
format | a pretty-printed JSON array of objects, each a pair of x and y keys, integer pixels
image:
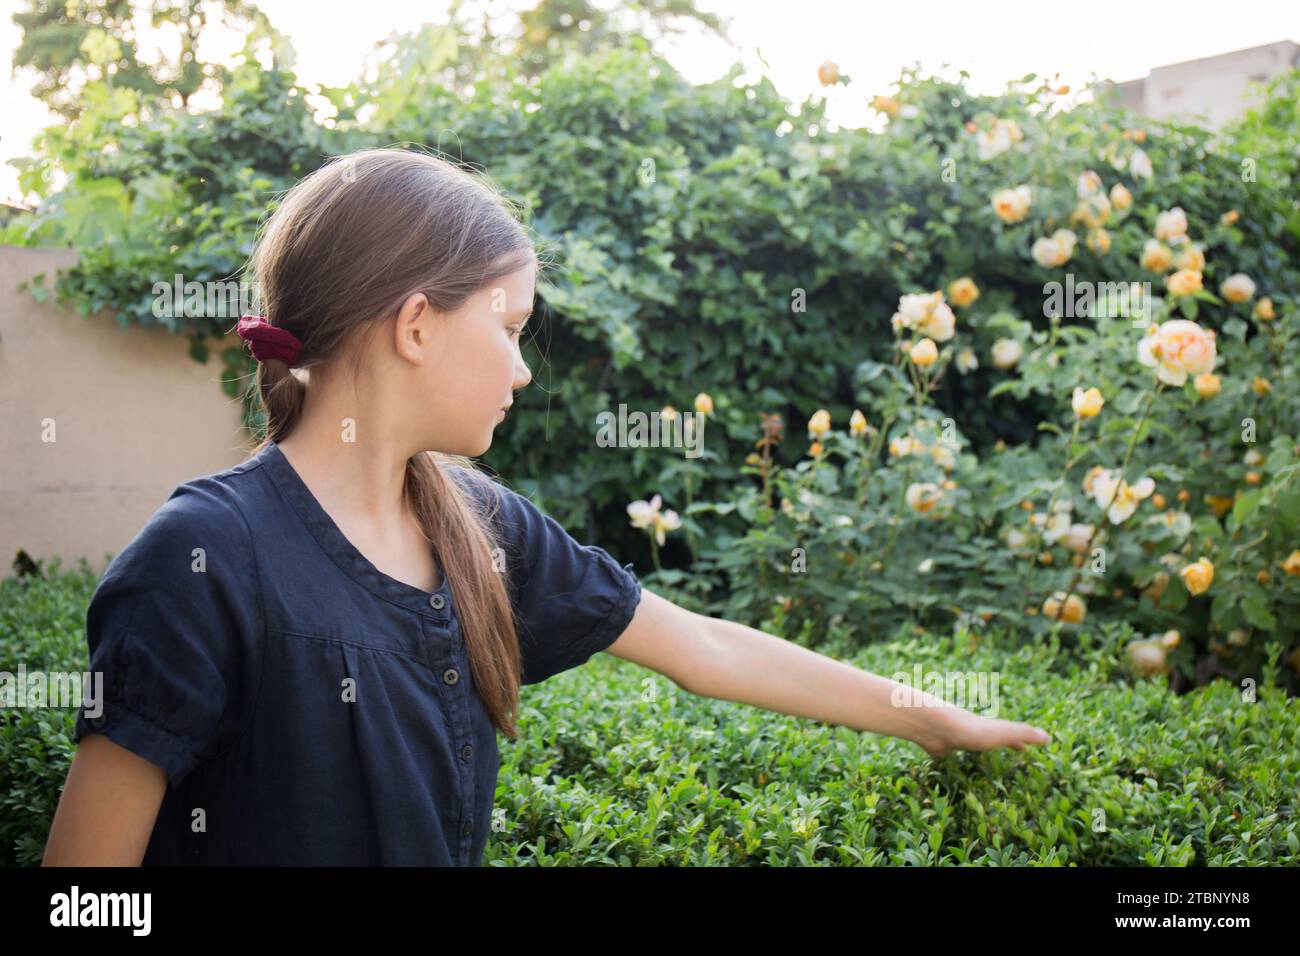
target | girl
[{"x": 317, "y": 647}]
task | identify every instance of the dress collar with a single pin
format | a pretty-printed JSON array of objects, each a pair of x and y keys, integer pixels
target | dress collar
[{"x": 436, "y": 605}]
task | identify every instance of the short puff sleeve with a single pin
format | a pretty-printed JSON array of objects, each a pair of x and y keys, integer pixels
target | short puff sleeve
[
  {"x": 173, "y": 631},
  {"x": 570, "y": 600}
]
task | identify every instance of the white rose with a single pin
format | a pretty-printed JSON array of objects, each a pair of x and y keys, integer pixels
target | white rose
[{"x": 1006, "y": 353}]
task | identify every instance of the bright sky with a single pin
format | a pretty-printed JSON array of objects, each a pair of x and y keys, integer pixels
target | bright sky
[{"x": 994, "y": 43}]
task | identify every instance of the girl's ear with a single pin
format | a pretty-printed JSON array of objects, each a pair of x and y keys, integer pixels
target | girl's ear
[{"x": 413, "y": 329}]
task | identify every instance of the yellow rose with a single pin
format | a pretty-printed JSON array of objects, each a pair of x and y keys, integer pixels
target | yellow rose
[
  {"x": 1087, "y": 404},
  {"x": 815, "y": 450},
  {"x": 1229, "y": 217},
  {"x": 1238, "y": 287},
  {"x": 1192, "y": 258},
  {"x": 1154, "y": 591},
  {"x": 704, "y": 403},
  {"x": 1184, "y": 282},
  {"x": 1099, "y": 241},
  {"x": 1012, "y": 205},
  {"x": 1264, "y": 309},
  {"x": 1219, "y": 504},
  {"x": 1170, "y": 640},
  {"x": 857, "y": 423},
  {"x": 1092, "y": 210},
  {"x": 962, "y": 292},
  {"x": 1156, "y": 256},
  {"x": 1120, "y": 197},
  {"x": 1261, "y": 386},
  {"x": 1292, "y": 563},
  {"x": 1198, "y": 576},
  {"x": 1071, "y": 610},
  {"x": 828, "y": 73},
  {"x": 885, "y": 104},
  {"x": 819, "y": 424},
  {"x": 1207, "y": 384},
  {"x": 924, "y": 353}
]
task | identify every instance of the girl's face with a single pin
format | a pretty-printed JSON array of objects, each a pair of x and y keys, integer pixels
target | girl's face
[{"x": 468, "y": 363}]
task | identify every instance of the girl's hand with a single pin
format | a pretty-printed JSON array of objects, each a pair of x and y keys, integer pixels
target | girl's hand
[{"x": 963, "y": 730}]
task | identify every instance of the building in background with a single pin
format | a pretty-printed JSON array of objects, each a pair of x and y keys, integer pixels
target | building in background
[{"x": 1214, "y": 89}]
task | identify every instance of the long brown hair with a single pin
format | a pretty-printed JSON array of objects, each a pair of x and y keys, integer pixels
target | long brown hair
[{"x": 348, "y": 244}]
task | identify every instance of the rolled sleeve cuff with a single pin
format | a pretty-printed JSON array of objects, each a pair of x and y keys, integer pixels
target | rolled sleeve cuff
[
  {"x": 142, "y": 737},
  {"x": 620, "y": 616}
]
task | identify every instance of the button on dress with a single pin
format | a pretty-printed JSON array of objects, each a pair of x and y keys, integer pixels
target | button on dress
[{"x": 307, "y": 708}]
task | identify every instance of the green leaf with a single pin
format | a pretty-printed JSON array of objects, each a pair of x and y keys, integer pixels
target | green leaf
[
  {"x": 1245, "y": 506},
  {"x": 1256, "y": 611}
]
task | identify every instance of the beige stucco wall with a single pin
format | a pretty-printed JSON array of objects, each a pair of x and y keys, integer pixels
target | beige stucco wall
[
  {"x": 1213, "y": 90},
  {"x": 133, "y": 414}
]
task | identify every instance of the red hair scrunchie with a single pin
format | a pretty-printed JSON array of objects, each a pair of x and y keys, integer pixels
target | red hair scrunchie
[{"x": 267, "y": 341}]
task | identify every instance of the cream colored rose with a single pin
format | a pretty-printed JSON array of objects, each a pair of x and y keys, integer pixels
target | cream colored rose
[
  {"x": 1139, "y": 165},
  {"x": 1012, "y": 205},
  {"x": 828, "y": 73},
  {"x": 704, "y": 403},
  {"x": 1264, "y": 309},
  {"x": 1093, "y": 210},
  {"x": 926, "y": 313},
  {"x": 924, "y": 498},
  {"x": 1054, "y": 250},
  {"x": 1077, "y": 537},
  {"x": 1117, "y": 496},
  {"x": 998, "y": 138},
  {"x": 905, "y": 445},
  {"x": 1156, "y": 256},
  {"x": 1099, "y": 241},
  {"x": 1006, "y": 353},
  {"x": 1238, "y": 287},
  {"x": 1120, "y": 197},
  {"x": 857, "y": 423},
  {"x": 966, "y": 361},
  {"x": 1148, "y": 657},
  {"x": 1176, "y": 349},
  {"x": 912, "y": 308},
  {"x": 1171, "y": 225}
]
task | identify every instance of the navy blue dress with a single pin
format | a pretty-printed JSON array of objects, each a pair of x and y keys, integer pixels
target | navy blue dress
[{"x": 307, "y": 708}]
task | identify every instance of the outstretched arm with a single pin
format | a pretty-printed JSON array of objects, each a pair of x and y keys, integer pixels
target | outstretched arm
[{"x": 729, "y": 661}]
